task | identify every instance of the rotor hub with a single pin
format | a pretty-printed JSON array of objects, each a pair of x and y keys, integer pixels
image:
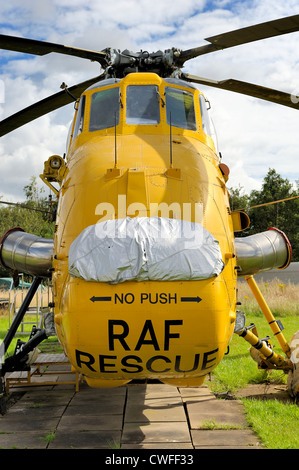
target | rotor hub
[{"x": 120, "y": 63}]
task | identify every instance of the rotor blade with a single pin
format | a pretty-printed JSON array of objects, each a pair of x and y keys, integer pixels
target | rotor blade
[
  {"x": 257, "y": 91},
  {"x": 17, "y": 204},
  {"x": 269, "y": 203},
  {"x": 45, "y": 106},
  {"x": 241, "y": 36},
  {"x": 32, "y": 46}
]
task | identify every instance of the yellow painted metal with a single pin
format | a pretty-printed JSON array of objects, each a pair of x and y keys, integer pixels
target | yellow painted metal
[
  {"x": 268, "y": 315},
  {"x": 241, "y": 221},
  {"x": 54, "y": 170},
  {"x": 144, "y": 330},
  {"x": 271, "y": 359}
]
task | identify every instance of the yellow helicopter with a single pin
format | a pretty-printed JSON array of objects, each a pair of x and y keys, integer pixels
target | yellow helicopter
[{"x": 145, "y": 262}]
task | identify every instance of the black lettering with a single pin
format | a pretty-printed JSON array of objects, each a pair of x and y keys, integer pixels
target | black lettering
[
  {"x": 148, "y": 327},
  {"x": 125, "y": 363},
  {"x": 103, "y": 365},
  {"x": 118, "y": 298},
  {"x": 153, "y": 301},
  {"x": 119, "y": 336},
  {"x": 155, "y": 358},
  {"x": 170, "y": 298},
  {"x": 87, "y": 363},
  {"x": 178, "y": 364},
  {"x": 129, "y": 298},
  {"x": 169, "y": 335},
  {"x": 161, "y": 298},
  {"x": 206, "y": 360}
]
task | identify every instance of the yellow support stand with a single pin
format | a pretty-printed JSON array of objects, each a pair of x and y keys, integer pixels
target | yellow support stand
[
  {"x": 269, "y": 357},
  {"x": 268, "y": 315}
]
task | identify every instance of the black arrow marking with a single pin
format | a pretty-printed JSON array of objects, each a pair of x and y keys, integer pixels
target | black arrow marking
[
  {"x": 191, "y": 299},
  {"x": 100, "y": 299}
]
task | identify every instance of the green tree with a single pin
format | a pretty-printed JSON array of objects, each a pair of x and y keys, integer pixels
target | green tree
[
  {"x": 282, "y": 215},
  {"x": 278, "y": 215},
  {"x": 238, "y": 199}
]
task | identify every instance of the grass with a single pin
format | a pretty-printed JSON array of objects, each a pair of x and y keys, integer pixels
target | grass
[
  {"x": 275, "y": 422},
  {"x": 51, "y": 345},
  {"x": 283, "y": 299},
  {"x": 49, "y": 437},
  {"x": 212, "y": 425}
]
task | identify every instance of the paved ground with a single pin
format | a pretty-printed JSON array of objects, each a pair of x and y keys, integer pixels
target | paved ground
[{"x": 136, "y": 416}]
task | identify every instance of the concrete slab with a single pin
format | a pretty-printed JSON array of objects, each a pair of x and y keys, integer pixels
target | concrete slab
[
  {"x": 135, "y": 416},
  {"x": 98, "y": 408},
  {"x": 20, "y": 440},
  {"x": 141, "y": 410},
  {"x": 87, "y": 392},
  {"x": 40, "y": 412},
  {"x": 90, "y": 423},
  {"x": 18, "y": 424},
  {"x": 158, "y": 445},
  {"x": 54, "y": 397},
  {"x": 86, "y": 440},
  {"x": 149, "y": 391},
  {"x": 96, "y": 396},
  {"x": 225, "y": 439},
  {"x": 215, "y": 411},
  {"x": 155, "y": 432},
  {"x": 198, "y": 393}
]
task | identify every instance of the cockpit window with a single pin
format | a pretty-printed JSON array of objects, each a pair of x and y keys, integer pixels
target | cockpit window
[
  {"x": 142, "y": 105},
  {"x": 104, "y": 109},
  {"x": 180, "y": 108},
  {"x": 80, "y": 118}
]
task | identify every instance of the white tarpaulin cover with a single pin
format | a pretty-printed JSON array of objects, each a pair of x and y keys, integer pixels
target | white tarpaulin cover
[{"x": 145, "y": 248}]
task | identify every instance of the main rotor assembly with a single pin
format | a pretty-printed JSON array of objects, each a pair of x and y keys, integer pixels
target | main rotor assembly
[{"x": 166, "y": 63}]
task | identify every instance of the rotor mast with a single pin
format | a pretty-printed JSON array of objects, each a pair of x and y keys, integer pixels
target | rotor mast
[{"x": 120, "y": 64}]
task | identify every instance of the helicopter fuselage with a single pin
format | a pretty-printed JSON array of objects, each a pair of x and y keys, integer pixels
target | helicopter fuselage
[
  {"x": 144, "y": 261},
  {"x": 140, "y": 149}
]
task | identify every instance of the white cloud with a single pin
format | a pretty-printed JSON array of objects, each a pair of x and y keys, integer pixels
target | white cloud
[{"x": 253, "y": 135}]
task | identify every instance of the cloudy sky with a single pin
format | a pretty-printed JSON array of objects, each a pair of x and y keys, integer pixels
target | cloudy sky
[{"x": 253, "y": 135}]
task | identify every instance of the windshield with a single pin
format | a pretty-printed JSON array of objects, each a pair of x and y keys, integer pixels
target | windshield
[
  {"x": 180, "y": 108},
  {"x": 104, "y": 109},
  {"x": 142, "y": 106}
]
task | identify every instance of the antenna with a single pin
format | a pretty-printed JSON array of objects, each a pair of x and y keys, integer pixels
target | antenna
[
  {"x": 172, "y": 172},
  {"x": 114, "y": 172},
  {"x": 115, "y": 141},
  {"x": 170, "y": 139}
]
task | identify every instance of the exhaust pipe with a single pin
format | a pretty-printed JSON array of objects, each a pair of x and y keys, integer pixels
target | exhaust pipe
[
  {"x": 26, "y": 253},
  {"x": 262, "y": 252}
]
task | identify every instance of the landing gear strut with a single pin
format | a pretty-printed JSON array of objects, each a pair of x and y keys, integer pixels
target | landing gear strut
[
  {"x": 262, "y": 351},
  {"x": 18, "y": 361}
]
